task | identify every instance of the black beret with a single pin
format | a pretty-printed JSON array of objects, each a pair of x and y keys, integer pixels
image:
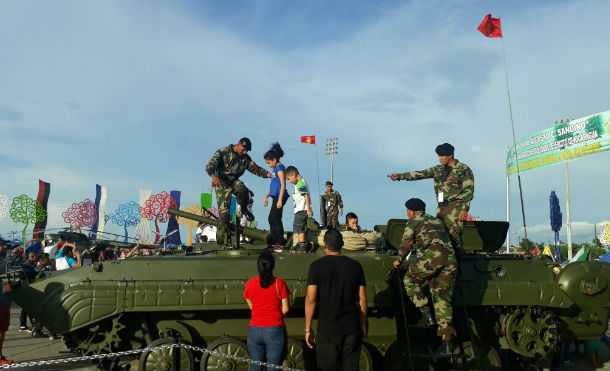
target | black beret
[
  {"x": 415, "y": 204},
  {"x": 329, "y": 183},
  {"x": 246, "y": 143},
  {"x": 444, "y": 149}
]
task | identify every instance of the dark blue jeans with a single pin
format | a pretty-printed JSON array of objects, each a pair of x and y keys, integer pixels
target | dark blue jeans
[{"x": 266, "y": 344}]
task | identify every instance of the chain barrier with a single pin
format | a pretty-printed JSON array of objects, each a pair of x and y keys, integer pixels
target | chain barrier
[{"x": 56, "y": 361}]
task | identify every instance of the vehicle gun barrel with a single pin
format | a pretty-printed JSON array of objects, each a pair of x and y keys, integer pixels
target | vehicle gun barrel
[{"x": 254, "y": 233}]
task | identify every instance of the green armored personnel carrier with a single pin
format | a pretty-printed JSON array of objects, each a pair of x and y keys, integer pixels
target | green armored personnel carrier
[{"x": 509, "y": 310}]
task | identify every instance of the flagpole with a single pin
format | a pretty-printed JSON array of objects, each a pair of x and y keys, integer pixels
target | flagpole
[
  {"x": 317, "y": 168},
  {"x": 512, "y": 124},
  {"x": 318, "y": 175}
]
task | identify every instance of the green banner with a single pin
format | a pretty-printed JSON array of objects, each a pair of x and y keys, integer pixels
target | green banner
[
  {"x": 561, "y": 143},
  {"x": 206, "y": 200}
]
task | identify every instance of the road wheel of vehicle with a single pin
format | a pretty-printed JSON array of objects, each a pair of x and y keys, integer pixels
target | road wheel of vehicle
[
  {"x": 163, "y": 359},
  {"x": 366, "y": 358},
  {"x": 531, "y": 332},
  {"x": 397, "y": 357},
  {"x": 230, "y": 347},
  {"x": 295, "y": 354},
  {"x": 486, "y": 357}
]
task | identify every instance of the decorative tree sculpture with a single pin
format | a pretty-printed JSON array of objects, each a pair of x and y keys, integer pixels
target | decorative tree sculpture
[
  {"x": 127, "y": 214},
  {"x": 26, "y": 210},
  {"x": 556, "y": 221},
  {"x": 156, "y": 209},
  {"x": 211, "y": 213},
  {"x": 604, "y": 238},
  {"x": 81, "y": 214},
  {"x": 190, "y": 223},
  {"x": 3, "y": 206}
]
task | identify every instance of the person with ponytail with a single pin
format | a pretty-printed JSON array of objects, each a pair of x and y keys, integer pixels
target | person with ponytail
[
  {"x": 279, "y": 196},
  {"x": 267, "y": 297}
]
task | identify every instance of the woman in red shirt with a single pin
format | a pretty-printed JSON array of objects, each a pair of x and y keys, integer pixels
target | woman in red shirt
[{"x": 267, "y": 297}]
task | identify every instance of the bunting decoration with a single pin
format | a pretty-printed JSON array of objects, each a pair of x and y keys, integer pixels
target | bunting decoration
[
  {"x": 556, "y": 222},
  {"x": 172, "y": 224},
  {"x": 100, "y": 204},
  {"x": 3, "y": 206},
  {"x": 206, "y": 200},
  {"x": 143, "y": 228},
  {"x": 44, "y": 190}
]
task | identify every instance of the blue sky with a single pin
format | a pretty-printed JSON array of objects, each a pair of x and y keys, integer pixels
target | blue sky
[{"x": 135, "y": 94}]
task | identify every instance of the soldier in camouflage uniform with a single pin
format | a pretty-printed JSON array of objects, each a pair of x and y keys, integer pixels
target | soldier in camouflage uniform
[
  {"x": 454, "y": 188},
  {"x": 334, "y": 206},
  {"x": 225, "y": 168},
  {"x": 426, "y": 237}
]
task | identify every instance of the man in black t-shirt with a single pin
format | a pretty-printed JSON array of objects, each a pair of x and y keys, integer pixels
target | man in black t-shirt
[{"x": 337, "y": 284}]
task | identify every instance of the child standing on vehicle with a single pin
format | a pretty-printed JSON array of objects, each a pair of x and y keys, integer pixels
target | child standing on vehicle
[
  {"x": 302, "y": 206},
  {"x": 279, "y": 196}
]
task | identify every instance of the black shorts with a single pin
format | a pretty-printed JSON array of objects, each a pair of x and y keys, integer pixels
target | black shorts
[{"x": 300, "y": 222}]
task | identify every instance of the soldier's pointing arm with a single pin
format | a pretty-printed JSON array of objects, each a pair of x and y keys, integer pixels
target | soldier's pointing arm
[
  {"x": 467, "y": 193},
  {"x": 417, "y": 175},
  {"x": 257, "y": 170}
]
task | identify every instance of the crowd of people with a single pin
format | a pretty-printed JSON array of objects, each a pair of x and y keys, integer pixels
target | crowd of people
[{"x": 34, "y": 258}]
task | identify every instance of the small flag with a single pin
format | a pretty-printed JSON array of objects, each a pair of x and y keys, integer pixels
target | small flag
[
  {"x": 490, "y": 27},
  {"x": 310, "y": 139}
]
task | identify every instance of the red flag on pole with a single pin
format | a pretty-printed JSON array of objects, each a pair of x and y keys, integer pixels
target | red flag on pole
[
  {"x": 490, "y": 27},
  {"x": 310, "y": 139}
]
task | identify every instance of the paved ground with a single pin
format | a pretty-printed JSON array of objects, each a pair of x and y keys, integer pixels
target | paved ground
[{"x": 20, "y": 346}]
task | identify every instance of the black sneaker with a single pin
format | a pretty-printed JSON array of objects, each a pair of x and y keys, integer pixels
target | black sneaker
[
  {"x": 301, "y": 248},
  {"x": 426, "y": 320},
  {"x": 444, "y": 350}
]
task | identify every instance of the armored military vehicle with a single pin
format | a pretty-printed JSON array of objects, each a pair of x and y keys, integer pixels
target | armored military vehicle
[{"x": 509, "y": 310}]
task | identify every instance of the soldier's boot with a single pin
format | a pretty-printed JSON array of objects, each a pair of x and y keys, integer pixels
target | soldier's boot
[
  {"x": 426, "y": 320},
  {"x": 242, "y": 199},
  {"x": 445, "y": 349}
]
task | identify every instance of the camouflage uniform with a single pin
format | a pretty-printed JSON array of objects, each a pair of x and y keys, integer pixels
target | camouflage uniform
[
  {"x": 228, "y": 167},
  {"x": 333, "y": 203},
  {"x": 427, "y": 238},
  {"x": 457, "y": 186}
]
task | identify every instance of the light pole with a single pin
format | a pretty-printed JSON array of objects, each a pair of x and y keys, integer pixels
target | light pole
[{"x": 332, "y": 148}]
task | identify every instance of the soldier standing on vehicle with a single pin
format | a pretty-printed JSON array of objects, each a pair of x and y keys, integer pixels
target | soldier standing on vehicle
[
  {"x": 333, "y": 204},
  {"x": 454, "y": 188},
  {"x": 426, "y": 237},
  {"x": 225, "y": 167}
]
